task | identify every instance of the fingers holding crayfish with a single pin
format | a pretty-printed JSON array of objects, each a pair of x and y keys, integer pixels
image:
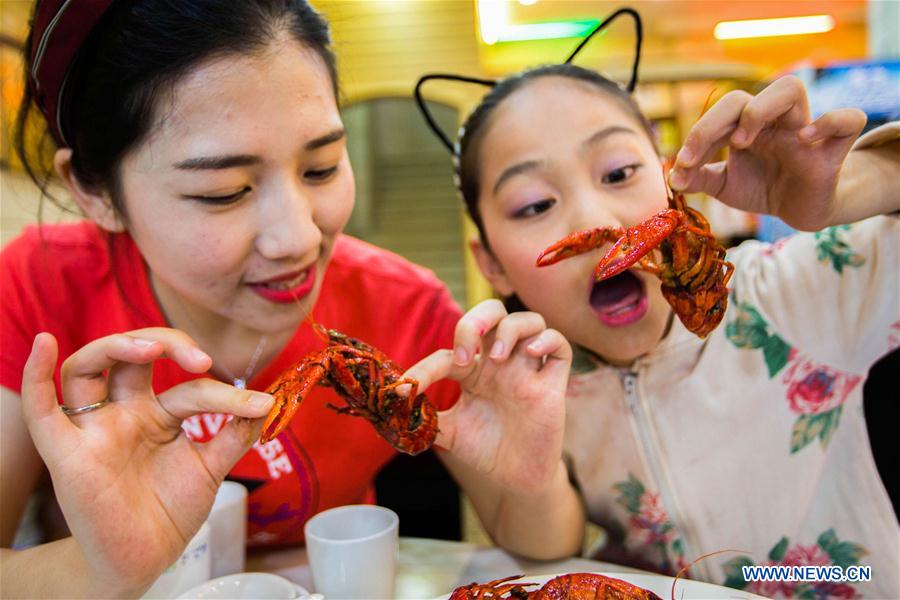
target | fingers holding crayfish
[
  {"x": 784, "y": 102},
  {"x": 737, "y": 120},
  {"x": 209, "y": 396},
  {"x": 709, "y": 134}
]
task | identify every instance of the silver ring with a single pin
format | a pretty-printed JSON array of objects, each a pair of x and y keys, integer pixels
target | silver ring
[{"x": 83, "y": 409}]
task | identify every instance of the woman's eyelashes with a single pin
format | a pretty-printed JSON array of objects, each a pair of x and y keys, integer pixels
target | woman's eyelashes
[
  {"x": 223, "y": 200},
  {"x": 320, "y": 175},
  {"x": 620, "y": 175},
  {"x": 314, "y": 176}
]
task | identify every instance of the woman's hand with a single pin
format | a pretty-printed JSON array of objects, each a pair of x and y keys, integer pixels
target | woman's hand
[
  {"x": 133, "y": 488},
  {"x": 509, "y": 421},
  {"x": 779, "y": 161}
]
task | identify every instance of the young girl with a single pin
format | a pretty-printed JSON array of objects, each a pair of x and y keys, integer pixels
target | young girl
[
  {"x": 753, "y": 438},
  {"x": 204, "y": 143}
]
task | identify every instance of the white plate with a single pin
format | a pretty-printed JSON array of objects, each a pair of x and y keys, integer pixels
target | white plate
[
  {"x": 249, "y": 585},
  {"x": 661, "y": 585}
]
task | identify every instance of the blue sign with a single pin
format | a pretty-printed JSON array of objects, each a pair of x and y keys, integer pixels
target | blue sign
[{"x": 871, "y": 86}]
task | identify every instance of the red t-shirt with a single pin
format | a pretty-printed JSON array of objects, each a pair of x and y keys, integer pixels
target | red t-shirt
[{"x": 80, "y": 284}]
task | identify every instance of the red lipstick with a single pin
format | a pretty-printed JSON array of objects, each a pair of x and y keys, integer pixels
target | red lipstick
[{"x": 288, "y": 287}]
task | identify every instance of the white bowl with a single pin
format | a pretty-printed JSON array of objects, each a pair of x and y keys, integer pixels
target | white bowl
[{"x": 248, "y": 585}]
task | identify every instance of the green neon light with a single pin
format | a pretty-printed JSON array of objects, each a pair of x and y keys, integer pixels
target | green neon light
[{"x": 546, "y": 31}]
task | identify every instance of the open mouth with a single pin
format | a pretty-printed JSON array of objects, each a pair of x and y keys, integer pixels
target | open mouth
[{"x": 619, "y": 300}]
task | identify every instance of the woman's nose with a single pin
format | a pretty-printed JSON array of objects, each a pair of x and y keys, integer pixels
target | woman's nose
[{"x": 288, "y": 229}]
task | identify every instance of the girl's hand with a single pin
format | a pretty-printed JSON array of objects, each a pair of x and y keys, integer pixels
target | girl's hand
[
  {"x": 133, "y": 488},
  {"x": 779, "y": 162},
  {"x": 509, "y": 421}
]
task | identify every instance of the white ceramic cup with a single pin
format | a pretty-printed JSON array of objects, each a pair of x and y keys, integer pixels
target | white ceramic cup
[
  {"x": 191, "y": 569},
  {"x": 353, "y": 551},
  {"x": 228, "y": 536}
]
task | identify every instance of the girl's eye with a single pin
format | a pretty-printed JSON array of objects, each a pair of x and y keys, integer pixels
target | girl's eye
[
  {"x": 321, "y": 174},
  {"x": 222, "y": 200},
  {"x": 534, "y": 209},
  {"x": 621, "y": 174}
]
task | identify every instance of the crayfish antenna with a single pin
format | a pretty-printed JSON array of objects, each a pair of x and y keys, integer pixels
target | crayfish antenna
[
  {"x": 319, "y": 330},
  {"x": 685, "y": 568}
]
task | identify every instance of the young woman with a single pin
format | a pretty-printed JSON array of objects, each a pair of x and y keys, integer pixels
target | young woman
[
  {"x": 203, "y": 142},
  {"x": 754, "y": 437}
]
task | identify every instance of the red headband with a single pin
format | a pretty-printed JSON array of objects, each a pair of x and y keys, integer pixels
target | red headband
[{"x": 58, "y": 32}]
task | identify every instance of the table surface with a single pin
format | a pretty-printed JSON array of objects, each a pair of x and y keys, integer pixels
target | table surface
[{"x": 428, "y": 568}]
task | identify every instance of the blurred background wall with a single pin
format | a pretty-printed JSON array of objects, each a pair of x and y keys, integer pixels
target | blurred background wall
[{"x": 406, "y": 200}]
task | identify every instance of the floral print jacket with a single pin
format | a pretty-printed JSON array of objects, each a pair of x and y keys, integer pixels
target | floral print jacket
[{"x": 754, "y": 438}]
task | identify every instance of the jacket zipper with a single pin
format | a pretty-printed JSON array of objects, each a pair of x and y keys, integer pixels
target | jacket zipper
[{"x": 629, "y": 380}]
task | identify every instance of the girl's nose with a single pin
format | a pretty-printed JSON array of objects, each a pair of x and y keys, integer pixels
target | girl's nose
[
  {"x": 288, "y": 229},
  {"x": 593, "y": 209}
]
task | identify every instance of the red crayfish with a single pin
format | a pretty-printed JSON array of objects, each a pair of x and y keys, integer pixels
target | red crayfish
[
  {"x": 571, "y": 586},
  {"x": 691, "y": 262},
  {"x": 574, "y": 586},
  {"x": 367, "y": 380}
]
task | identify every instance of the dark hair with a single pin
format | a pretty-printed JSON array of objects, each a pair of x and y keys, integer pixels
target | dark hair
[
  {"x": 469, "y": 144},
  {"x": 134, "y": 57}
]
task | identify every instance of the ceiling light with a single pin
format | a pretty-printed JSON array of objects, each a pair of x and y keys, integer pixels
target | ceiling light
[
  {"x": 730, "y": 30},
  {"x": 494, "y": 25}
]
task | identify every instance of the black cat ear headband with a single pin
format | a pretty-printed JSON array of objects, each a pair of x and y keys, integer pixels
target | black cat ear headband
[{"x": 454, "y": 148}]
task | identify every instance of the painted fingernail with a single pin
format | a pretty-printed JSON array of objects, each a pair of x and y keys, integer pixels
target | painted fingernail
[
  {"x": 685, "y": 156},
  {"x": 460, "y": 356},
  {"x": 261, "y": 400},
  {"x": 739, "y": 137},
  {"x": 497, "y": 349},
  {"x": 677, "y": 179}
]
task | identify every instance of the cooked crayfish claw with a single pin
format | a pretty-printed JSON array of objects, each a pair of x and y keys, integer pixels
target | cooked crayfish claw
[
  {"x": 289, "y": 392},
  {"x": 636, "y": 242},
  {"x": 578, "y": 243}
]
